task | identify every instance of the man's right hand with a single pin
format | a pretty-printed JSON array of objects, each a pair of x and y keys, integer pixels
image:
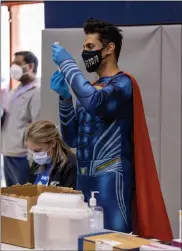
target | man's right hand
[{"x": 59, "y": 85}]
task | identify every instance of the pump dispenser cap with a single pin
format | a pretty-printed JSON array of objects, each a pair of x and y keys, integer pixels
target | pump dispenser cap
[{"x": 93, "y": 201}]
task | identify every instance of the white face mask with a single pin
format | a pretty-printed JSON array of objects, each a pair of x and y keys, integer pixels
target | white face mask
[
  {"x": 41, "y": 158},
  {"x": 16, "y": 72}
]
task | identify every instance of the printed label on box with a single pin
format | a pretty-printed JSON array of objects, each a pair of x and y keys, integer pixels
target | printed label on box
[
  {"x": 14, "y": 208},
  {"x": 102, "y": 245}
]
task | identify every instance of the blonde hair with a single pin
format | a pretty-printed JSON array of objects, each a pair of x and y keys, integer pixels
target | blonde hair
[{"x": 46, "y": 132}]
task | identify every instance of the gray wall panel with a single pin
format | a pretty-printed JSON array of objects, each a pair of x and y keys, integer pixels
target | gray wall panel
[
  {"x": 171, "y": 121},
  {"x": 141, "y": 56}
]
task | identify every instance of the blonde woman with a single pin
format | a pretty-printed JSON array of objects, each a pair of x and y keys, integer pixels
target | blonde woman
[{"x": 53, "y": 161}]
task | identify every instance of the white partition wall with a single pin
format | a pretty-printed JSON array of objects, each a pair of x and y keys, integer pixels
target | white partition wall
[{"x": 153, "y": 54}]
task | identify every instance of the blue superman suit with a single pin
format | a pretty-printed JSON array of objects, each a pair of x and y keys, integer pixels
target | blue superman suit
[{"x": 100, "y": 129}]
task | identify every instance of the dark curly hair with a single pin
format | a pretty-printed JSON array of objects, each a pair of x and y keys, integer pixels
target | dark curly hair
[{"x": 107, "y": 33}]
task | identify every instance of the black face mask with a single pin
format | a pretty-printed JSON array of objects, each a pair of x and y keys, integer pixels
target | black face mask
[{"x": 92, "y": 59}]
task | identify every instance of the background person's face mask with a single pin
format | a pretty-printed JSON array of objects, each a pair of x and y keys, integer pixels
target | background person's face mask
[
  {"x": 16, "y": 72},
  {"x": 92, "y": 59},
  {"x": 41, "y": 158}
]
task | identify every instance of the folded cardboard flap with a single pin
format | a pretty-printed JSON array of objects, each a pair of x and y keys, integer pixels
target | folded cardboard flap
[
  {"x": 54, "y": 189},
  {"x": 29, "y": 190}
]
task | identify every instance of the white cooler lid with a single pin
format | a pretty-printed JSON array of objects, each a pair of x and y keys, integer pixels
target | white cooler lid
[{"x": 71, "y": 206}]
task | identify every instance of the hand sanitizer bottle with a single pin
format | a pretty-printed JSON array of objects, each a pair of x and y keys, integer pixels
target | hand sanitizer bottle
[{"x": 97, "y": 217}]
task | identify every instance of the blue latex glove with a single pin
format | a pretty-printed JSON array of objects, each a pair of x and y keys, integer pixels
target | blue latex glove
[
  {"x": 59, "y": 85},
  {"x": 59, "y": 54}
]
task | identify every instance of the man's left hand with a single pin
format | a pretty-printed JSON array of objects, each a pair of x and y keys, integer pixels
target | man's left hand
[{"x": 59, "y": 54}]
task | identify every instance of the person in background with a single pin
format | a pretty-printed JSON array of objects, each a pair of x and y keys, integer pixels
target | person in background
[
  {"x": 22, "y": 108},
  {"x": 4, "y": 91},
  {"x": 54, "y": 163},
  {"x": 110, "y": 133}
]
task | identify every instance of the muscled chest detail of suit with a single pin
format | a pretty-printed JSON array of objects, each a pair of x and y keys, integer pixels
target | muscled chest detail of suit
[{"x": 102, "y": 135}]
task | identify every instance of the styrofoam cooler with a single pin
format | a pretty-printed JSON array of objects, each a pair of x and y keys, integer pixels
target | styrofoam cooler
[{"x": 59, "y": 219}]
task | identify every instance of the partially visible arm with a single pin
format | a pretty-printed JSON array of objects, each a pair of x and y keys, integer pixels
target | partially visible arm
[
  {"x": 68, "y": 122},
  {"x": 3, "y": 115},
  {"x": 108, "y": 101},
  {"x": 35, "y": 105},
  {"x": 69, "y": 175},
  {"x": 33, "y": 169},
  {"x": 66, "y": 109}
]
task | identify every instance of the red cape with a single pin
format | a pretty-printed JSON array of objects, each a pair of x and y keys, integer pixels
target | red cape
[
  {"x": 149, "y": 215},
  {"x": 150, "y": 219}
]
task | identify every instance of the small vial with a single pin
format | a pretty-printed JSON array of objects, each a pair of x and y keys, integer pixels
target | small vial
[{"x": 57, "y": 44}]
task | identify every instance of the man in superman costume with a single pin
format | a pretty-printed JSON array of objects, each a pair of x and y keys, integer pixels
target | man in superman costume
[{"x": 109, "y": 131}]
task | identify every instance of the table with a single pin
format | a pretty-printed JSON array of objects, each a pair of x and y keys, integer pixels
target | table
[{"x": 10, "y": 247}]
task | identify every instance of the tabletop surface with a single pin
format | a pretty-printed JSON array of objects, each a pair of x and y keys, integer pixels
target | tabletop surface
[{"x": 10, "y": 247}]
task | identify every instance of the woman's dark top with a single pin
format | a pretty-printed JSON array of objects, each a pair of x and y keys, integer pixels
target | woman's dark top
[{"x": 65, "y": 177}]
